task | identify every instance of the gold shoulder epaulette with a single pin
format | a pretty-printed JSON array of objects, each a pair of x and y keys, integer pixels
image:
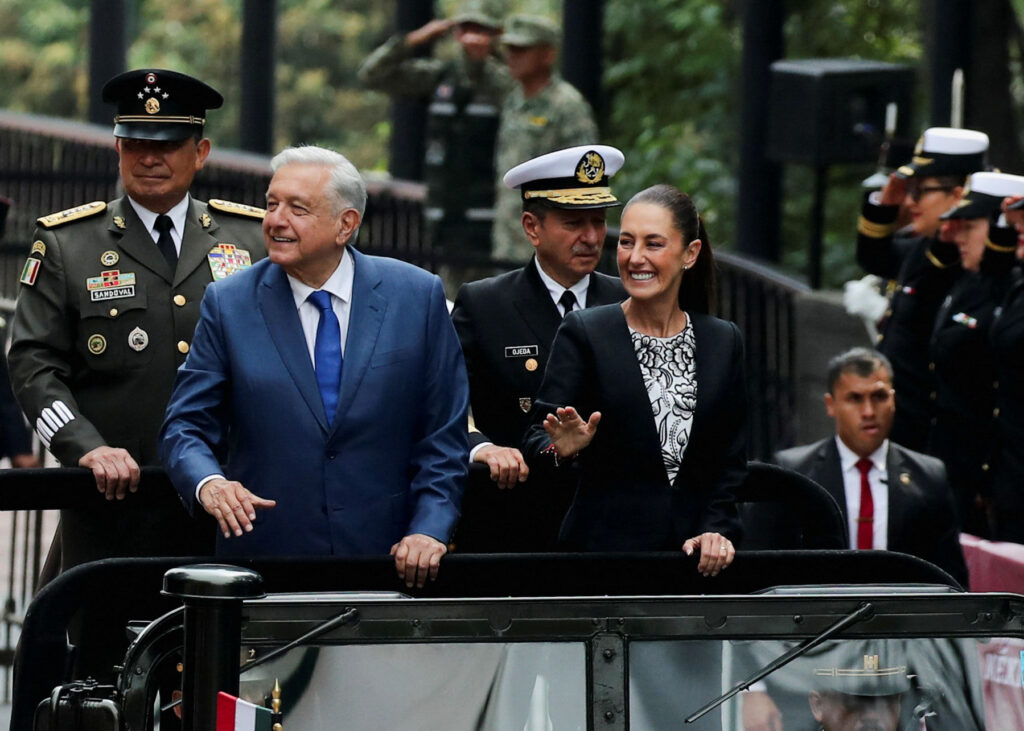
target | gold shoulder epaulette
[
  {"x": 72, "y": 214},
  {"x": 238, "y": 209}
]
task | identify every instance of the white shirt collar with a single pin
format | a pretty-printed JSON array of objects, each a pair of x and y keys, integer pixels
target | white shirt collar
[
  {"x": 555, "y": 289},
  {"x": 848, "y": 458},
  {"x": 338, "y": 284},
  {"x": 176, "y": 214}
]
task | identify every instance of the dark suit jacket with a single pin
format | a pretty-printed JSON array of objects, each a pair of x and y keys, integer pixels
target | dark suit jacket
[
  {"x": 625, "y": 501},
  {"x": 921, "y": 520},
  {"x": 392, "y": 463},
  {"x": 504, "y": 322},
  {"x": 506, "y": 325}
]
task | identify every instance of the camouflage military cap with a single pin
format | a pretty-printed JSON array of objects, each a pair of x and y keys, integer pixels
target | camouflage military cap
[
  {"x": 482, "y": 12},
  {"x": 530, "y": 30}
]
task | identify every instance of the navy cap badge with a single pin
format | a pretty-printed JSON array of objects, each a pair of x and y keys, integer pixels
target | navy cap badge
[{"x": 590, "y": 169}]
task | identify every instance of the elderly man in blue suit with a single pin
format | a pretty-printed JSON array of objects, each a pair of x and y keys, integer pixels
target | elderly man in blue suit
[{"x": 322, "y": 407}]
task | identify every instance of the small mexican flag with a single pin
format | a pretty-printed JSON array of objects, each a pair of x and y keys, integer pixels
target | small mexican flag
[{"x": 234, "y": 714}]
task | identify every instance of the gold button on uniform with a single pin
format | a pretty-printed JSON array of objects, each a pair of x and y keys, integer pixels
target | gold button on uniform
[
  {"x": 931, "y": 366},
  {"x": 113, "y": 312},
  {"x": 984, "y": 468},
  {"x": 179, "y": 300},
  {"x": 995, "y": 412},
  {"x": 932, "y": 395},
  {"x": 531, "y": 364},
  {"x": 182, "y": 346}
]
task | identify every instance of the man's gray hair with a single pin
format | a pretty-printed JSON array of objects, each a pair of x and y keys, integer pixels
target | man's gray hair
[
  {"x": 859, "y": 361},
  {"x": 345, "y": 185}
]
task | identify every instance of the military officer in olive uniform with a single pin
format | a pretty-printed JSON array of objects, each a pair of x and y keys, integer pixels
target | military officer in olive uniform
[
  {"x": 543, "y": 113},
  {"x": 506, "y": 325},
  {"x": 108, "y": 302},
  {"x": 465, "y": 93},
  {"x": 920, "y": 264}
]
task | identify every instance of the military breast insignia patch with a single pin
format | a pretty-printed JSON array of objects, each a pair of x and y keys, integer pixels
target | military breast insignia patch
[
  {"x": 30, "y": 271},
  {"x": 109, "y": 258},
  {"x": 138, "y": 339},
  {"x": 525, "y": 402},
  {"x": 226, "y": 259},
  {"x": 111, "y": 285},
  {"x": 38, "y": 247},
  {"x": 97, "y": 344}
]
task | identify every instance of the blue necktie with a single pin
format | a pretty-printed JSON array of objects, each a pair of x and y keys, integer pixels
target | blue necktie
[{"x": 327, "y": 353}]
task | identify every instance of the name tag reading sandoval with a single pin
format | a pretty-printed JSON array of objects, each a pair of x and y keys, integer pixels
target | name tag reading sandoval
[
  {"x": 521, "y": 351},
  {"x": 110, "y": 285}
]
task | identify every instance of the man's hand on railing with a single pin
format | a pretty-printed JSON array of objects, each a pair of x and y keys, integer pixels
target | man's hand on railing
[{"x": 114, "y": 470}]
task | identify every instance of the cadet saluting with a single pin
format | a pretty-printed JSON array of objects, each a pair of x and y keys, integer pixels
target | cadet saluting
[{"x": 108, "y": 303}]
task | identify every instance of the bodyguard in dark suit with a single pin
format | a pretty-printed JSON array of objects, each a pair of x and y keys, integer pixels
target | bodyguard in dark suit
[
  {"x": 108, "y": 303},
  {"x": 506, "y": 325},
  {"x": 648, "y": 396},
  {"x": 325, "y": 390},
  {"x": 911, "y": 502}
]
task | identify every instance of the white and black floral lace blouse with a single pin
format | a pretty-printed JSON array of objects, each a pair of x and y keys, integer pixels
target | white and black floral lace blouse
[{"x": 670, "y": 377}]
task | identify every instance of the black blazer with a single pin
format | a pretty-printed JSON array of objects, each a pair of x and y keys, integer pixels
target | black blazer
[
  {"x": 624, "y": 501},
  {"x": 921, "y": 518},
  {"x": 504, "y": 323}
]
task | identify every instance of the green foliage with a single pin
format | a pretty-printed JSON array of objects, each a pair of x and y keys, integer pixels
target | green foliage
[{"x": 672, "y": 74}]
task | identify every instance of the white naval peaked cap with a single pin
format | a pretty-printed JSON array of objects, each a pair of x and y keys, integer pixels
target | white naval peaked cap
[
  {"x": 947, "y": 151},
  {"x": 576, "y": 177},
  {"x": 984, "y": 193}
]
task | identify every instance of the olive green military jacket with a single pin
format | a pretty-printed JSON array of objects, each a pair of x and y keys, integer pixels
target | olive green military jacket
[
  {"x": 556, "y": 118},
  {"x": 102, "y": 323}
]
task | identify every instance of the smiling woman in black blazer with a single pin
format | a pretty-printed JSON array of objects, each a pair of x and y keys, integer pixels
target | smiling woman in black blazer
[{"x": 661, "y": 386}]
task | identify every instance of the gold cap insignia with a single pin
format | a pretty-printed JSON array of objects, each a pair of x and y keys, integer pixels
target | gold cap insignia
[
  {"x": 38, "y": 247},
  {"x": 919, "y": 147},
  {"x": 120, "y": 222},
  {"x": 109, "y": 258},
  {"x": 152, "y": 105},
  {"x": 97, "y": 344},
  {"x": 590, "y": 168},
  {"x": 205, "y": 220}
]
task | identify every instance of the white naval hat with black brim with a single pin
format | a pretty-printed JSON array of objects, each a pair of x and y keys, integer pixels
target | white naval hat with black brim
[{"x": 577, "y": 177}]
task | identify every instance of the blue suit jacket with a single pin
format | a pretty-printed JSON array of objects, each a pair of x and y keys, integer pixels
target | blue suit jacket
[{"x": 395, "y": 461}]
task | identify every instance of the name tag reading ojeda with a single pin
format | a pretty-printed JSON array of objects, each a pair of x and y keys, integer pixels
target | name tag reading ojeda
[{"x": 521, "y": 351}]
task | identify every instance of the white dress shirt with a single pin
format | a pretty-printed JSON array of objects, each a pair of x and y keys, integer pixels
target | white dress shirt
[
  {"x": 176, "y": 214},
  {"x": 555, "y": 289},
  {"x": 878, "y": 479},
  {"x": 339, "y": 285}
]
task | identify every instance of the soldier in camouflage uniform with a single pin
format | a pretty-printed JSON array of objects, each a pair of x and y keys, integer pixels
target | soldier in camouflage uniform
[
  {"x": 542, "y": 114},
  {"x": 108, "y": 303},
  {"x": 465, "y": 96}
]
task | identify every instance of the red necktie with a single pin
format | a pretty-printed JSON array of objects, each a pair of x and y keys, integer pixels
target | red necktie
[{"x": 866, "y": 519}]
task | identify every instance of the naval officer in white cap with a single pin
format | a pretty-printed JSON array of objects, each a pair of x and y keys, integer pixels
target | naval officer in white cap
[
  {"x": 506, "y": 325},
  {"x": 921, "y": 264}
]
